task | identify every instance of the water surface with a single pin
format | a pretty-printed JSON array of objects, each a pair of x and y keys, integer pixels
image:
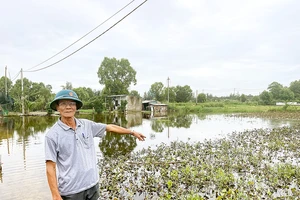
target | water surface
[{"x": 22, "y": 143}]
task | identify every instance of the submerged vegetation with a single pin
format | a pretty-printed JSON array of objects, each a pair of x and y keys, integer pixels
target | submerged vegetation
[{"x": 254, "y": 164}]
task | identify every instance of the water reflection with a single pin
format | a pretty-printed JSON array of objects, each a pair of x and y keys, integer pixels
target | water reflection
[
  {"x": 158, "y": 124},
  {"x": 24, "y": 126},
  {"x": 6, "y": 130},
  {"x": 21, "y": 128},
  {"x": 114, "y": 144}
]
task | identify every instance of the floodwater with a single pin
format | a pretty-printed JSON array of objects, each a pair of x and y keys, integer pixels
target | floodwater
[{"x": 22, "y": 143}]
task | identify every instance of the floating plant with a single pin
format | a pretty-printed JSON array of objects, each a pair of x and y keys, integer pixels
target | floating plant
[{"x": 254, "y": 164}]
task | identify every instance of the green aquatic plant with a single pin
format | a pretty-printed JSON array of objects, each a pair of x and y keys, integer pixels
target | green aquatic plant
[{"x": 254, "y": 164}]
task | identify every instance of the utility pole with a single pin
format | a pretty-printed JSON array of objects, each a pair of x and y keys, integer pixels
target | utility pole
[
  {"x": 5, "y": 81},
  {"x": 168, "y": 90},
  {"x": 196, "y": 97},
  {"x": 22, "y": 95}
]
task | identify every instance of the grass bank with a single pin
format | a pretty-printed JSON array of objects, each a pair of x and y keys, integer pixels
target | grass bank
[{"x": 222, "y": 107}]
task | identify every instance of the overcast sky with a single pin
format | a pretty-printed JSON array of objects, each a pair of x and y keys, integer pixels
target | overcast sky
[{"x": 214, "y": 46}]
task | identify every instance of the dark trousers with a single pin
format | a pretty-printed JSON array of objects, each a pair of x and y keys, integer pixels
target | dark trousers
[{"x": 89, "y": 194}]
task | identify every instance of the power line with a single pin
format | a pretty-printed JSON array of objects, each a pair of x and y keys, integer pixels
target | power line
[
  {"x": 91, "y": 40},
  {"x": 81, "y": 37},
  {"x": 16, "y": 76}
]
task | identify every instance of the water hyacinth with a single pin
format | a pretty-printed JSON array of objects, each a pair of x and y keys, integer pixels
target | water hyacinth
[{"x": 254, "y": 164}]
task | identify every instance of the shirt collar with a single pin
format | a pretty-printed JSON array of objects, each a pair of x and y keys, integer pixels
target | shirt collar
[{"x": 66, "y": 127}]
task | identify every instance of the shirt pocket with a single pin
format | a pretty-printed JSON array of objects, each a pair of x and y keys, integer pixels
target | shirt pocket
[{"x": 86, "y": 141}]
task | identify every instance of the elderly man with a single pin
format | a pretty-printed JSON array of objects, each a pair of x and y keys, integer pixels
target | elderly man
[{"x": 69, "y": 146}]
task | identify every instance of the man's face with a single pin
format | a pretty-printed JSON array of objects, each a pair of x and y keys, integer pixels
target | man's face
[{"x": 66, "y": 108}]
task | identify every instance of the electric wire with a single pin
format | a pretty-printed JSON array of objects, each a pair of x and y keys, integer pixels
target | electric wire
[
  {"x": 90, "y": 41},
  {"x": 9, "y": 75},
  {"x": 16, "y": 76},
  {"x": 82, "y": 36}
]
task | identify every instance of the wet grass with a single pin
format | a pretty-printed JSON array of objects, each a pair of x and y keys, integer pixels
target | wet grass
[
  {"x": 223, "y": 107},
  {"x": 254, "y": 164}
]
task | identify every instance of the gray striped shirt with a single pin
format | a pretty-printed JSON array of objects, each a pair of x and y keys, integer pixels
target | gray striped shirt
[{"x": 73, "y": 151}]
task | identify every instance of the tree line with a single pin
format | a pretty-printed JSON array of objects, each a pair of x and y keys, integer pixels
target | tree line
[
  {"x": 116, "y": 76},
  {"x": 275, "y": 92}
]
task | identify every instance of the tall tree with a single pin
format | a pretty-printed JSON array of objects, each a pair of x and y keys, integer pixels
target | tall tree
[
  {"x": 134, "y": 93},
  {"x": 156, "y": 90},
  {"x": 286, "y": 94},
  {"x": 2, "y": 84},
  {"x": 266, "y": 97},
  {"x": 295, "y": 88},
  {"x": 116, "y": 76},
  {"x": 39, "y": 95},
  {"x": 183, "y": 94},
  {"x": 84, "y": 93},
  {"x": 243, "y": 98},
  {"x": 275, "y": 88},
  {"x": 68, "y": 86},
  {"x": 5, "y": 98},
  {"x": 201, "y": 98},
  {"x": 16, "y": 93}
]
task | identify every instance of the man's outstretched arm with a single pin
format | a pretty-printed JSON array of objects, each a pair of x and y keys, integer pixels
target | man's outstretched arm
[{"x": 121, "y": 130}]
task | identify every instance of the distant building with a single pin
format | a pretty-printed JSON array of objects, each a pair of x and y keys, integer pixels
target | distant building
[
  {"x": 155, "y": 106},
  {"x": 133, "y": 103}
]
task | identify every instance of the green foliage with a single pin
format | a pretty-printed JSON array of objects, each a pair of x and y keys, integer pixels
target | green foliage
[
  {"x": 49, "y": 111},
  {"x": 243, "y": 98},
  {"x": 134, "y": 93},
  {"x": 275, "y": 89},
  {"x": 4, "y": 80},
  {"x": 284, "y": 173},
  {"x": 7, "y": 103},
  {"x": 295, "y": 88},
  {"x": 116, "y": 76},
  {"x": 227, "y": 107},
  {"x": 238, "y": 166},
  {"x": 68, "y": 86},
  {"x": 223, "y": 179},
  {"x": 193, "y": 197},
  {"x": 170, "y": 93},
  {"x": 201, "y": 98},
  {"x": 266, "y": 98},
  {"x": 86, "y": 95},
  {"x": 157, "y": 91},
  {"x": 286, "y": 94},
  {"x": 36, "y": 95},
  {"x": 97, "y": 103},
  {"x": 169, "y": 184},
  {"x": 281, "y": 93},
  {"x": 285, "y": 107},
  {"x": 122, "y": 107},
  {"x": 183, "y": 94}
]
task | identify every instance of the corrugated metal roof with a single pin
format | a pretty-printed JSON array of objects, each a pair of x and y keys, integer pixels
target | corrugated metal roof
[
  {"x": 119, "y": 95},
  {"x": 148, "y": 101},
  {"x": 158, "y": 104}
]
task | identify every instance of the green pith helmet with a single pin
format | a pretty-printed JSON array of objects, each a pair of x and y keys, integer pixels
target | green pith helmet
[{"x": 66, "y": 94}]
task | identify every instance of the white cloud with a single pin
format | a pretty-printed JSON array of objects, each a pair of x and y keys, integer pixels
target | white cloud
[
  {"x": 197, "y": 72},
  {"x": 213, "y": 45}
]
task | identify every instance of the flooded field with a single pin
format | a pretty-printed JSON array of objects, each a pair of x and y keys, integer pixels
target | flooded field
[{"x": 23, "y": 166}]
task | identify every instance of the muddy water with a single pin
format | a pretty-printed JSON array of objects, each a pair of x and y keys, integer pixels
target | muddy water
[{"x": 22, "y": 143}]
